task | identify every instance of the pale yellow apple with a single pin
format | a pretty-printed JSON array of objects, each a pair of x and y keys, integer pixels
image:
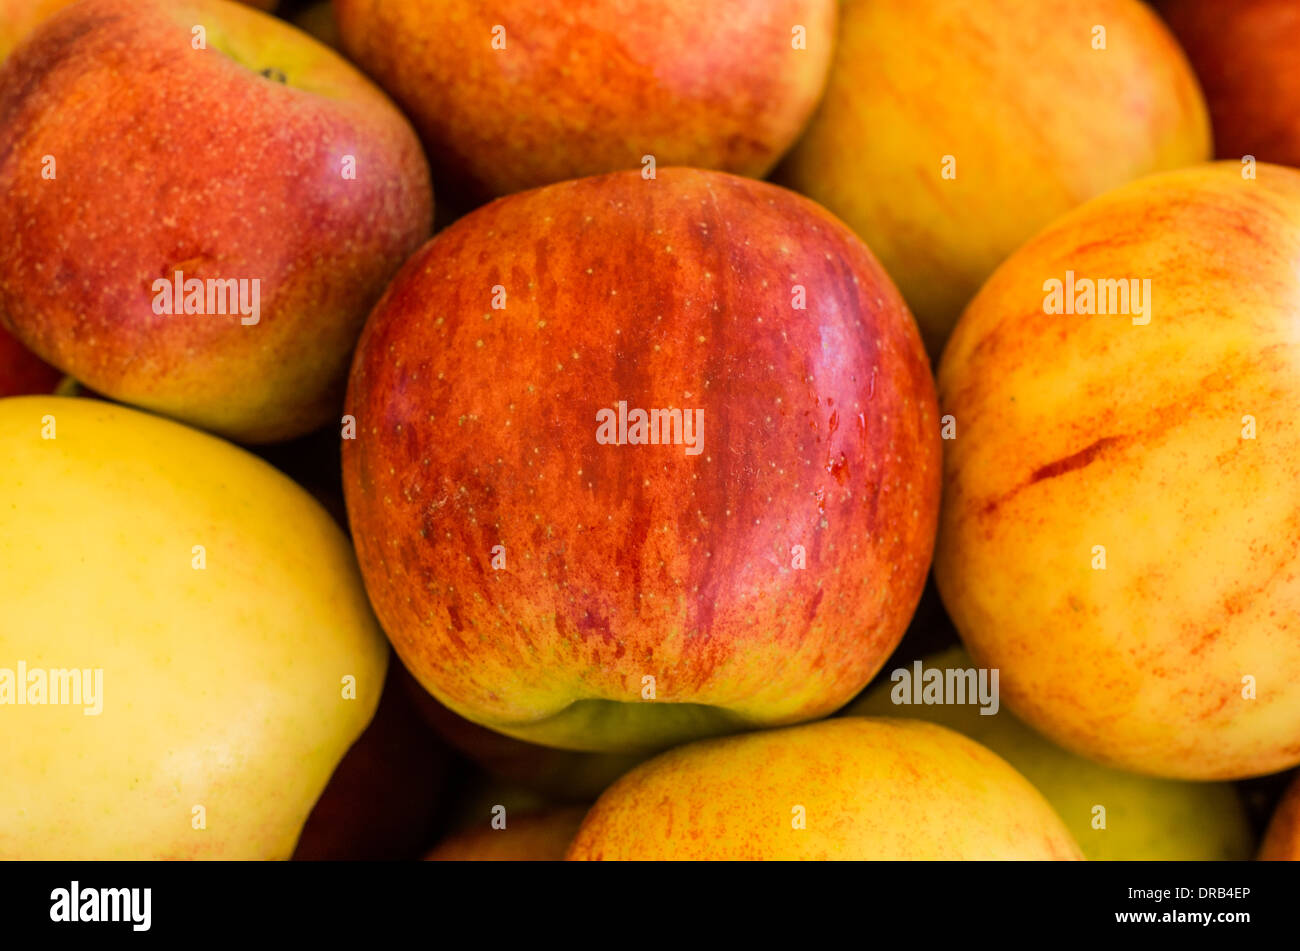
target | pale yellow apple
[
  {"x": 221, "y": 614},
  {"x": 1121, "y": 513},
  {"x": 1144, "y": 818},
  {"x": 847, "y": 788},
  {"x": 952, "y": 130}
]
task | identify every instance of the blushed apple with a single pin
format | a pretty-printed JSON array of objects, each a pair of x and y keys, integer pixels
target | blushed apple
[
  {"x": 522, "y": 93},
  {"x": 1144, "y": 819},
  {"x": 1121, "y": 508},
  {"x": 851, "y": 788},
  {"x": 547, "y": 566},
  {"x": 950, "y": 131},
  {"x": 1244, "y": 54},
  {"x": 200, "y": 231}
]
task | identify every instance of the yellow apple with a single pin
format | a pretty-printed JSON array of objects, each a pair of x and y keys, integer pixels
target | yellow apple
[
  {"x": 847, "y": 788},
  {"x": 1144, "y": 819},
  {"x": 216, "y": 620},
  {"x": 1121, "y": 503},
  {"x": 952, "y": 130}
]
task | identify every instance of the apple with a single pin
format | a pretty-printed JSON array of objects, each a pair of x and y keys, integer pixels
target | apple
[
  {"x": 20, "y": 17},
  {"x": 536, "y": 837},
  {"x": 1121, "y": 506},
  {"x": 561, "y": 775},
  {"x": 22, "y": 372},
  {"x": 381, "y": 802},
  {"x": 145, "y": 180},
  {"x": 1145, "y": 819},
  {"x": 547, "y": 571},
  {"x": 951, "y": 132},
  {"x": 1244, "y": 55},
  {"x": 521, "y": 93},
  {"x": 1282, "y": 841},
  {"x": 206, "y": 627},
  {"x": 850, "y": 788}
]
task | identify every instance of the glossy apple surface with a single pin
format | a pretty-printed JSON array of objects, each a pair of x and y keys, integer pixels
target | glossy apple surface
[{"x": 643, "y": 594}]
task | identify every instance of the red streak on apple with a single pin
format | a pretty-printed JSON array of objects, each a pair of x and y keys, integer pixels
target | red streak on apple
[{"x": 476, "y": 427}]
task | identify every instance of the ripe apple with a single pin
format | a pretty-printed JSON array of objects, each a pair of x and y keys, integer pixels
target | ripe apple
[
  {"x": 380, "y": 803},
  {"x": 521, "y": 93},
  {"x": 21, "y": 371},
  {"x": 543, "y": 579},
  {"x": 1282, "y": 841},
  {"x": 1244, "y": 54},
  {"x": 539, "y": 837},
  {"x": 215, "y": 608},
  {"x": 951, "y": 131},
  {"x": 848, "y": 788},
  {"x": 561, "y": 775},
  {"x": 1145, "y": 819},
  {"x": 1121, "y": 508},
  {"x": 137, "y": 157}
]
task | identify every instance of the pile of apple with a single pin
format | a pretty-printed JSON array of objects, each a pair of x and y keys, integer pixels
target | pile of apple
[{"x": 575, "y": 529}]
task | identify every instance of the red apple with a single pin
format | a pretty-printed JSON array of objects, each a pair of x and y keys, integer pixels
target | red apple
[
  {"x": 22, "y": 372},
  {"x": 380, "y": 802},
  {"x": 1244, "y": 54},
  {"x": 128, "y": 156},
  {"x": 519, "y": 93},
  {"x": 544, "y": 573}
]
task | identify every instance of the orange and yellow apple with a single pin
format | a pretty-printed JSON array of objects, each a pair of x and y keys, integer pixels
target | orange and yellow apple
[{"x": 1121, "y": 512}]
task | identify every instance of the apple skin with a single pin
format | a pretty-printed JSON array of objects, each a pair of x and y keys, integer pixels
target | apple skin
[
  {"x": 1081, "y": 431},
  {"x": 1282, "y": 840},
  {"x": 22, "y": 372},
  {"x": 380, "y": 802},
  {"x": 477, "y": 427},
  {"x": 593, "y": 86},
  {"x": 540, "y": 837},
  {"x": 1244, "y": 56},
  {"x": 221, "y": 687},
  {"x": 175, "y": 158},
  {"x": 1151, "y": 820},
  {"x": 19, "y": 17},
  {"x": 871, "y": 789},
  {"x": 1036, "y": 120}
]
